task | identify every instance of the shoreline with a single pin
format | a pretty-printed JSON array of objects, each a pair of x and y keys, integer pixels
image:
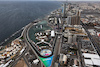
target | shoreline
[{"x": 13, "y": 36}]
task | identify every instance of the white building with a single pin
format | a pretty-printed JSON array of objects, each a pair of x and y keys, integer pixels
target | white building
[
  {"x": 98, "y": 33},
  {"x": 52, "y": 33},
  {"x": 91, "y": 59}
]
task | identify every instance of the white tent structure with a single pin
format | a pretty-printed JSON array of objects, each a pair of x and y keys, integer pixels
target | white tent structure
[
  {"x": 88, "y": 62},
  {"x": 87, "y": 55},
  {"x": 91, "y": 59}
]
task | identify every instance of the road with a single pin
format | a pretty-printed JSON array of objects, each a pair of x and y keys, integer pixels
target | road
[
  {"x": 57, "y": 49},
  {"x": 95, "y": 45},
  {"x": 26, "y": 61},
  {"x": 56, "y": 45},
  {"x": 80, "y": 53},
  {"x": 27, "y": 40}
]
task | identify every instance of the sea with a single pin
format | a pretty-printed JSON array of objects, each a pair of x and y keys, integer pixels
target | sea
[{"x": 16, "y": 14}]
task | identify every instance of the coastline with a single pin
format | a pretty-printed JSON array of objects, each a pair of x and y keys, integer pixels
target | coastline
[{"x": 14, "y": 36}]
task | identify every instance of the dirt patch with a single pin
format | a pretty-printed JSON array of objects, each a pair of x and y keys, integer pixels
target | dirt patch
[{"x": 21, "y": 63}]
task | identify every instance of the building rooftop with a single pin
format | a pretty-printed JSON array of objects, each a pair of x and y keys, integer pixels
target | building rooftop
[
  {"x": 88, "y": 55},
  {"x": 91, "y": 59}
]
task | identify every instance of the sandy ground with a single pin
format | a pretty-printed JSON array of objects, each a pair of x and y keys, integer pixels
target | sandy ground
[{"x": 21, "y": 63}]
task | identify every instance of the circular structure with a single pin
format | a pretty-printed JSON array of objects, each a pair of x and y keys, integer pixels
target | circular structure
[{"x": 45, "y": 52}]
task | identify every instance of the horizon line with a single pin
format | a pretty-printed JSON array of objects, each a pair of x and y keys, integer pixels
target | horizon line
[{"x": 51, "y": 0}]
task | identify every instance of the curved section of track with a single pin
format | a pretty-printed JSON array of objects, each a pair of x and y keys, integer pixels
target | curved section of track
[{"x": 30, "y": 43}]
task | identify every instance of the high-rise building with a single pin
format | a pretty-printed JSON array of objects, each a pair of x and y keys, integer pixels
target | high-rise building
[
  {"x": 68, "y": 8},
  {"x": 69, "y": 20},
  {"x": 64, "y": 9},
  {"x": 74, "y": 20}
]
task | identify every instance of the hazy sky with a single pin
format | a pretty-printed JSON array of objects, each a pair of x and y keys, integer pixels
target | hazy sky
[{"x": 49, "y": 0}]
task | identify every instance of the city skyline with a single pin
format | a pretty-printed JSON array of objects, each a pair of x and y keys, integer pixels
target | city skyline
[
  {"x": 49, "y": 0},
  {"x": 50, "y": 33}
]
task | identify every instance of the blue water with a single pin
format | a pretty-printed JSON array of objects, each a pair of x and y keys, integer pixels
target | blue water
[{"x": 16, "y": 14}]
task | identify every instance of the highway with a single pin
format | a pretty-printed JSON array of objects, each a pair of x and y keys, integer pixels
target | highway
[
  {"x": 95, "y": 45},
  {"x": 58, "y": 44},
  {"x": 57, "y": 49}
]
